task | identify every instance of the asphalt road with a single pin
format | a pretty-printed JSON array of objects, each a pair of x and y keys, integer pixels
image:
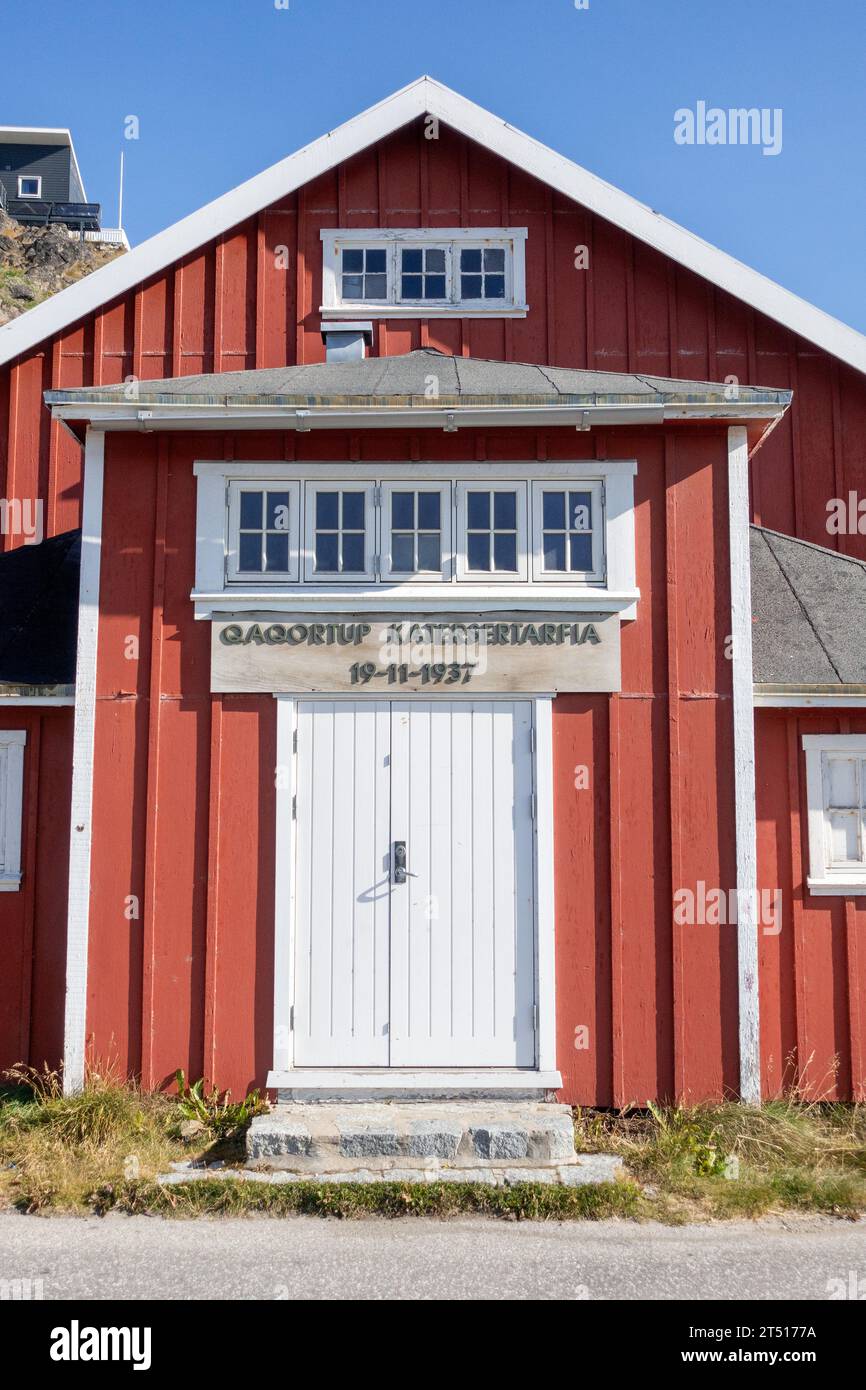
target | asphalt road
[{"x": 312, "y": 1258}]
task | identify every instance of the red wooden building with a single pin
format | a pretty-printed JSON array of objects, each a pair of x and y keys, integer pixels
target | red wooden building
[{"x": 413, "y": 726}]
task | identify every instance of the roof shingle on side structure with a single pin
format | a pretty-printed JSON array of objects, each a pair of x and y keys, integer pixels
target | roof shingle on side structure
[{"x": 808, "y": 604}]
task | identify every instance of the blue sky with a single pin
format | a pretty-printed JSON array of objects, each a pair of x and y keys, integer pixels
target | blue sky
[{"x": 223, "y": 88}]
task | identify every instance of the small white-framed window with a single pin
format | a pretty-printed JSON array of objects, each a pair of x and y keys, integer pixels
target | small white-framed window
[
  {"x": 29, "y": 185},
  {"x": 264, "y": 531},
  {"x": 836, "y": 797},
  {"x": 466, "y": 271},
  {"x": 568, "y": 530},
  {"x": 364, "y": 274},
  {"x": 491, "y": 531},
  {"x": 339, "y": 543},
  {"x": 12, "y": 743},
  {"x": 416, "y": 531}
]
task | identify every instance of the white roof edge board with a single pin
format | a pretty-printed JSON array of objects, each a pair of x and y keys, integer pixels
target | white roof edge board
[{"x": 426, "y": 96}]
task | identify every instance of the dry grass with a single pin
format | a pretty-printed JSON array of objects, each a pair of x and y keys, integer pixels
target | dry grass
[
  {"x": 103, "y": 1148},
  {"x": 733, "y": 1160}
]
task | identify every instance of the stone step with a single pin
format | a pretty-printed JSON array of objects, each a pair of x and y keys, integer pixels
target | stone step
[{"x": 385, "y": 1136}]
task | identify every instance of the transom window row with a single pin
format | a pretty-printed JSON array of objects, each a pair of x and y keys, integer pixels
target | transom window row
[
  {"x": 494, "y": 531},
  {"x": 406, "y": 274}
]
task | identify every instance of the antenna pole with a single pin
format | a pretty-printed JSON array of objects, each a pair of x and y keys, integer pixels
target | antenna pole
[{"x": 120, "y": 197}]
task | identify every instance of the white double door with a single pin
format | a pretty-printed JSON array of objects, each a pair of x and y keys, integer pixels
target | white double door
[{"x": 437, "y": 970}]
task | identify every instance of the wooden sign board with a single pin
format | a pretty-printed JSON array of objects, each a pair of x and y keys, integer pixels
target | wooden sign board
[{"x": 423, "y": 655}]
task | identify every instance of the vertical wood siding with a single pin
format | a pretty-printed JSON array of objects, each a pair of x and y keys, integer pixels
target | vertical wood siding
[{"x": 181, "y": 982}]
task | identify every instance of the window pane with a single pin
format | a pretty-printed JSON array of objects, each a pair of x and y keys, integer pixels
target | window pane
[
  {"x": 377, "y": 287},
  {"x": 277, "y": 549},
  {"x": 403, "y": 510},
  {"x": 581, "y": 552},
  {"x": 504, "y": 551},
  {"x": 505, "y": 510},
  {"x": 470, "y": 260},
  {"x": 494, "y": 259},
  {"x": 470, "y": 287},
  {"x": 376, "y": 261},
  {"x": 434, "y": 287},
  {"x": 478, "y": 550},
  {"x": 327, "y": 553},
  {"x": 494, "y": 287},
  {"x": 478, "y": 509},
  {"x": 402, "y": 552},
  {"x": 327, "y": 515},
  {"x": 353, "y": 261},
  {"x": 412, "y": 286},
  {"x": 250, "y": 551},
  {"x": 428, "y": 510},
  {"x": 580, "y": 511},
  {"x": 429, "y": 552},
  {"x": 843, "y": 781},
  {"x": 554, "y": 510},
  {"x": 554, "y": 550},
  {"x": 353, "y": 553},
  {"x": 844, "y": 837},
  {"x": 251, "y": 511},
  {"x": 353, "y": 511},
  {"x": 412, "y": 261},
  {"x": 277, "y": 511},
  {"x": 435, "y": 259},
  {"x": 353, "y": 287}
]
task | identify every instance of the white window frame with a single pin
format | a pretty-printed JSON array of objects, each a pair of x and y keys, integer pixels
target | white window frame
[
  {"x": 453, "y": 239},
  {"x": 595, "y": 575},
  {"x": 410, "y": 484},
  {"x": 234, "y": 574},
  {"x": 311, "y": 491},
  {"x": 37, "y": 178},
  {"x": 12, "y": 743},
  {"x": 216, "y": 593},
  {"x": 824, "y": 877},
  {"x": 464, "y": 573}
]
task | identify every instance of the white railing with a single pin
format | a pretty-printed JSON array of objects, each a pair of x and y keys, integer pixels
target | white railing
[{"x": 108, "y": 236}]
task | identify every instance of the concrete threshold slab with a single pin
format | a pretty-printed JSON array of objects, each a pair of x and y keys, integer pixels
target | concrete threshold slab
[{"x": 584, "y": 1170}]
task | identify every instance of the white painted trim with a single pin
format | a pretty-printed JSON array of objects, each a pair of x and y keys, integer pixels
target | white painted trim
[
  {"x": 81, "y": 823},
  {"x": 12, "y": 743},
  {"x": 512, "y": 240},
  {"x": 24, "y": 701},
  {"x": 450, "y": 418},
  {"x": 545, "y": 921},
  {"x": 823, "y": 879},
  {"x": 804, "y": 700},
  {"x": 395, "y": 1080},
  {"x": 744, "y": 767},
  {"x": 284, "y": 890},
  {"x": 426, "y": 96}
]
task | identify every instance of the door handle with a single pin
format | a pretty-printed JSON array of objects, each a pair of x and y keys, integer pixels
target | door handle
[{"x": 398, "y": 863}]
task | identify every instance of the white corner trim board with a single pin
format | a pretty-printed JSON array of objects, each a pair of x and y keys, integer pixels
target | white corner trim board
[
  {"x": 81, "y": 825},
  {"x": 744, "y": 767},
  {"x": 427, "y": 97}
]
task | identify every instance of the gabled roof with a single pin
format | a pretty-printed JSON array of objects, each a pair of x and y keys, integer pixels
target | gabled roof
[
  {"x": 429, "y": 97},
  {"x": 41, "y": 135},
  {"x": 807, "y": 614}
]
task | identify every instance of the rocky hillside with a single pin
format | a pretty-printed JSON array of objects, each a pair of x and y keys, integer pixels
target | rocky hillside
[{"x": 36, "y": 262}]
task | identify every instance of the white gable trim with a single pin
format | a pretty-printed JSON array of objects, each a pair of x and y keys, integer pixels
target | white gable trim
[{"x": 429, "y": 97}]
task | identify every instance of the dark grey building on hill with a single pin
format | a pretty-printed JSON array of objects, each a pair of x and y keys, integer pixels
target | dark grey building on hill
[{"x": 40, "y": 180}]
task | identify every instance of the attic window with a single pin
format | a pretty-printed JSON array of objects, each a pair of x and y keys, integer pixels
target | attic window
[
  {"x": 30, "y": 186},
  {"x": 467, "y": 272}
]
